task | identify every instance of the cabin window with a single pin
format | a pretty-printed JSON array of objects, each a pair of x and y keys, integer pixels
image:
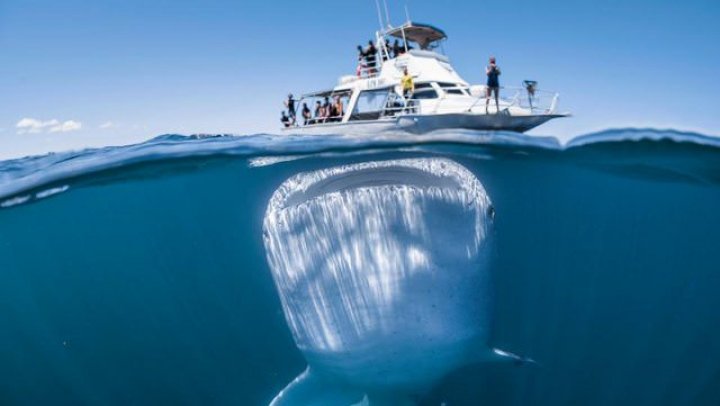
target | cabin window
[
  {"x": 453, "y": 88},
  {"x": 425, "y": 91},
  {"x": 370, "y": 104}
]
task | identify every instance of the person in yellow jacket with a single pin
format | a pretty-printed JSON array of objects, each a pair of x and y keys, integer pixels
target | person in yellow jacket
[
  {"x": 408, "y": 88},
  {"x": 408, "y": 85}
]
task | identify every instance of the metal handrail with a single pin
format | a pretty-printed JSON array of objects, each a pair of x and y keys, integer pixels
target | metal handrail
[
  {"x": 366, "y": 72},
  {"x": 516, "y": 99},
  {"x": 409, "y": 105},
  {"x": 319, "y": 120},
  {"x": 522, "y": 98}
]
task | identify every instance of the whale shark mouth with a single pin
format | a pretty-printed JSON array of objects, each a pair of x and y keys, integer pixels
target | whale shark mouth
[{"x": 380, "y": 254}]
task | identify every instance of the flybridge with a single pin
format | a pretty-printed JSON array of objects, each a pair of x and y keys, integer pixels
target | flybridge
[
  {"x": 408, "y": 37},
  {"x": 426, "y": 36}
]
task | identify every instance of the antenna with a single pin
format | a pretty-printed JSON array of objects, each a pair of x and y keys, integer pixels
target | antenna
[
  {"x": 379, "y": 13},
  {"x": 387, "y": 15},
  {"x": 407, "y": 13}
]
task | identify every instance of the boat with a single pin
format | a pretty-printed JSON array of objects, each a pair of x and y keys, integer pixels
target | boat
[{"x": 372, "y": 98}]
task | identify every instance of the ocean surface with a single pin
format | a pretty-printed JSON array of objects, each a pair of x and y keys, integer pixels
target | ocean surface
[{"x": 160, "y": 273}]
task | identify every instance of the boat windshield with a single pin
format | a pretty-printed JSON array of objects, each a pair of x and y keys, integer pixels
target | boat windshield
[
  {"x": 370, "y": 104},
  {"x": 425, "y": 91}
]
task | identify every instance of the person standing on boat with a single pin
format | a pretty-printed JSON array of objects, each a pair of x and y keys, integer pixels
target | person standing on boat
[
  {"x": 318, "y": 111},
  {"x": 326, "y": 108},
  {"x": 339, "y": 108},
  {"x": 333, "y": 111},
  {"x": 371, "y": 57},
  {"x": 362, "y": 61},
  {"x": 397, "y": 50},
  {"x": 290, "y": 104},
  {"x": 493, "y": 85},
  {"x": 306, "y": 114},
  {"x": 408, "y": 87}
]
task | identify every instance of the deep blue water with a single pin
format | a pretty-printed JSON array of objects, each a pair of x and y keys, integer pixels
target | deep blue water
[{"x": 138, "y": 275}]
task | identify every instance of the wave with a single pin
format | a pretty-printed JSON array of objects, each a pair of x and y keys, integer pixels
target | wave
[
  {"x": 643, "y": 134},
  {"x": 30, "y": 178}
]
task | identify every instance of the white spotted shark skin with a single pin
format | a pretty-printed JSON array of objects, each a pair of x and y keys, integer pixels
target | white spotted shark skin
[{"x": 383, "y": 271}]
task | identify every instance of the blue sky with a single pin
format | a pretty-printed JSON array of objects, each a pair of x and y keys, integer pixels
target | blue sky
[{"x": 89, "y": 73}]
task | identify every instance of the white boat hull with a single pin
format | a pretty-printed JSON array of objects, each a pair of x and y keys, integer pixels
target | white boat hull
[{"x": 421, "y": 124}]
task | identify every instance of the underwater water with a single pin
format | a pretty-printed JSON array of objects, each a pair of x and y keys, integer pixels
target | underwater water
[{"x": 211, "y": 270}]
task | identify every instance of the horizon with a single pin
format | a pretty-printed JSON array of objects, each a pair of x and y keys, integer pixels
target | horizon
[{"x": 89, "y": 75}]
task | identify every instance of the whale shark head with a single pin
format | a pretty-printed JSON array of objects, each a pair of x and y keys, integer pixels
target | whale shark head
[{"x": 382, "y": 268}]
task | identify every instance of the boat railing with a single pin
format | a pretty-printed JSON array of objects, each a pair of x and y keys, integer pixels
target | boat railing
[
  {"x": 536, "y": 101},
  {"x": 539, "y": 102},
  {"x": 365, "y": 71},
  {"x": 318, "y": 120},
  {"x": 399, "y": 105}
]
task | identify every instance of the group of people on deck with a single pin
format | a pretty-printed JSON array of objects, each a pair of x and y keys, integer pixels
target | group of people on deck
[
  {"x": 368, "y": 56},
  {"x": 328, "y": 111},
  {"x": 325, "y": 111}
]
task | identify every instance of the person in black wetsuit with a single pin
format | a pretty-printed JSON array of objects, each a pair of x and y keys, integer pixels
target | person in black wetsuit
[
  {"x": 362, "y": 61},
  {"x": 396, "y": 49},
  {"x": 493, "y": 85},
  {"x": 290, "y": 104},
  {"x": 371, "y": 57},
  {"x": 306, "y": 114}
]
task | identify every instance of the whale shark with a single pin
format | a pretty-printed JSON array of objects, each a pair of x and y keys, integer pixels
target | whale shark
[{"x": 383, "y": 270}]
